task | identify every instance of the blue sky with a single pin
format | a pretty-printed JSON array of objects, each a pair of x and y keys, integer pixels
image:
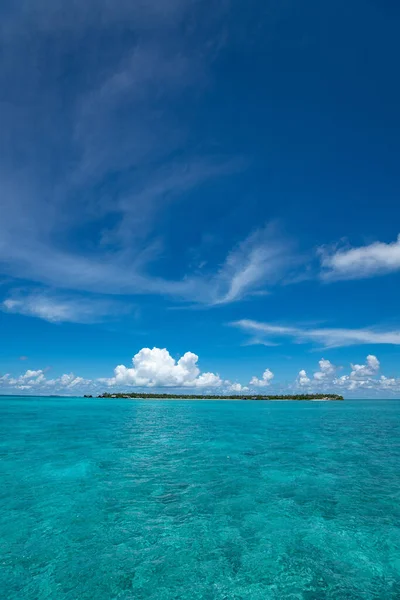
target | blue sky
[{"x": 219, "y": 179}]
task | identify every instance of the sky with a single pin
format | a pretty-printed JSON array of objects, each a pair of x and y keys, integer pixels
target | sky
[{"x": 200, "y": 195}]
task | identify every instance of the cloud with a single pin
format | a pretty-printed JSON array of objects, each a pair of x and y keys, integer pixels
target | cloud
[
  {"x": 370, "y": 368},
  {"x": 35, "y": 374},
  {"x": 376, "y": 259},
  {"x": 157, "y": 368},
  {"x": 36, "y": 381},
  {"x": 326, "y": 369},
  {"x": 109, "y": 145},
  {"x": 362, "y": 379},
  {"x": 29, "y": 379},
  {"x": 261, "y": 259},
  {"x": 59, "y": 309},
  {"x": 237, "y": 388},
  {"x": 106, "y": 141},
  {"x": 362, "y": 376},
  {"x": 321, "y": 379},
  {"x": 265, "y": 381},
  {"x": 389, "y": 383},
  {"x": 327, "y": 337},
  {"x": 303, "y": 379},
  {"x": 150, "y": 195},
  {"x": 68, "y": 381},
  {"x": 144, "y": 88}
]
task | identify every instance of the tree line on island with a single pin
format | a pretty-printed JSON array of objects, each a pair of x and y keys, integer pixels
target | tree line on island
[{"x": 219, "y": 397}]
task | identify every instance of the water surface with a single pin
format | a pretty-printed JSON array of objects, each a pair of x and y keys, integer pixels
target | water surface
[{"x": 185, "y": 500}]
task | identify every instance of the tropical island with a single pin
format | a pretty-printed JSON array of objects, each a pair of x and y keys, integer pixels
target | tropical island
[{"x": 217, "y": 397}]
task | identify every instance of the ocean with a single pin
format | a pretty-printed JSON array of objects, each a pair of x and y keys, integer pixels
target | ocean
[{"x": 189, "y": 500}]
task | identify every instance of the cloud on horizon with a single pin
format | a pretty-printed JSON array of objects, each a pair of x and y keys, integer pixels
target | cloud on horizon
[
  {"x": 265, "y": 380},
  {"x": 36, "y": 381},
  {"x": 155, "y": 369},
  {"x": 364, "y": 379}
]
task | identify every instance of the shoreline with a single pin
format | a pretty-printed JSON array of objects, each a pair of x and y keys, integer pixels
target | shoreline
[{"x": 305, "y": 398}]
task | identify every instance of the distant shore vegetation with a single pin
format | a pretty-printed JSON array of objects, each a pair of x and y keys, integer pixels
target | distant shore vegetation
[{"x": 220, "y": 397}]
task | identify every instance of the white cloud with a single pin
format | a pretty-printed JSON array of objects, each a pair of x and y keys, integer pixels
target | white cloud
[
  {"x": 29, "y": 374},
  {"x": 378, "y": 258},
  {"x": 157, "y": 368},
  {"x": 327, "y": 337},
  {"x": 259, "y": 260},
  {"x": 303, "y": 379},
  {"x": 369, "y": 369},
  {"x": 121, "y": 122},
  {"x": 59, "y": 309},
  {"x": 29, "y": 379},
  {"x": 360, "y": 376},
  {"x": 68, "y": 381},
  {"x": 363, "y": 379},
  {"x": 326, "y": 369},
  {"x": 390, "y": 383},
  {"x": 265, "y": 381},
  {"x": 237, "y": 388},
  {"x": 37, "y": 381}
]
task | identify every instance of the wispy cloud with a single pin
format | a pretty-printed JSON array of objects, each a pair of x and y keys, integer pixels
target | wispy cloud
[
  {"x": 262, "y": 259},
  {"x": 258, "y": 262},
  {"x": 375, "y": 259},
  {"x": 106, "y": 145},
  {"x": 62, "y": 309},
  {"x": 326, "y": 337}
]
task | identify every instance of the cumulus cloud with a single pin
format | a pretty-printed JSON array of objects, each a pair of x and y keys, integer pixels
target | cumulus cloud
[
  {"x": 237, "y": 388},
  {"x": 36, "y": 381},
  {"x": 390, "y": 383},
  {"x": 369, "y": 369},
  {"x": 327, "y": 337},
  {"x": 361, "y": 378},
  {"x": 326, "y": 369},
  {"x": 362, "y": 375},
  {"x": 303, "y": 379},
  {"x": 28, "y": 379},
  {"x": 29, "y": 374},
  {"x": 378, "y": 258},
  {"x": 265, "y": 380},
  {"x": 157, "y": 368},
  {"x": 68, "y": 381}
]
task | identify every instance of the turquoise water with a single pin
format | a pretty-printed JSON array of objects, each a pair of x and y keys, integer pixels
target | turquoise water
[{"x": 168, "y": 500}]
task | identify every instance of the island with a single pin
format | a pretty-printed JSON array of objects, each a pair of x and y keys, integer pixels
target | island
[{"x": 134, "y": 395}]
